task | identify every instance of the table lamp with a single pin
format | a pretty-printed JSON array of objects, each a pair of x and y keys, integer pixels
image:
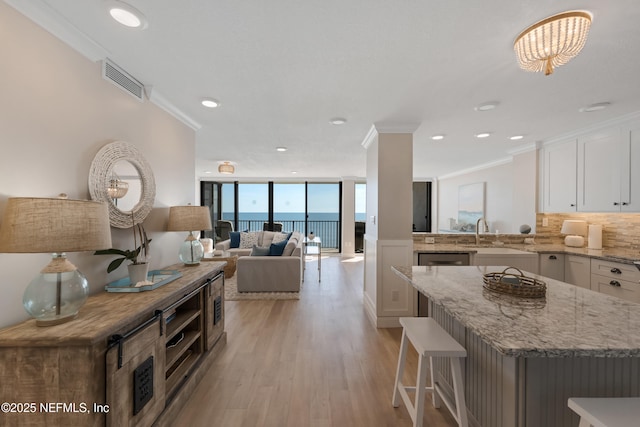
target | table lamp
[
  {"x": 40, "y": 225},
  {"x": 190, "y": 218},
  {"x": 575, "y": 230}
]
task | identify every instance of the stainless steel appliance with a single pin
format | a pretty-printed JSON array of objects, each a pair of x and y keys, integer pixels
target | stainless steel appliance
[{"x": 440, "y": 258}]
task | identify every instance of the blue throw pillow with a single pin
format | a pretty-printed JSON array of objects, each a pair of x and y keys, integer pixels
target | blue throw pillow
[
  {"x": 234, "y": 236},
  {"x": 276, "y": 249}
]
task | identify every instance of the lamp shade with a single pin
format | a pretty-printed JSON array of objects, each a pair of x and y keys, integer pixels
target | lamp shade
[
  {"x": 34, "y": 225},
  {"x": 574, "y": 227},
  {"x": 552, "y": 42},
  {"x": 189, "y": 218},
  {"x": 40, "y": 225}
]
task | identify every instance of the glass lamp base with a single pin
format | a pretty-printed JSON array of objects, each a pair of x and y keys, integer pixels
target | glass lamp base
[
  {"x": 56, "y": 294},
  {"x": 191, "y": 251}
]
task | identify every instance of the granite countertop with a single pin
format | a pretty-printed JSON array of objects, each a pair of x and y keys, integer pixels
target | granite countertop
[
  {"x": 626, "y": 256},
  {"x": 569, "y": 322}
]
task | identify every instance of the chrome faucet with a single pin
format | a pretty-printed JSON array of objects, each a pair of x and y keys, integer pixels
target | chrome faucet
[{"x": 486, "y": 229}]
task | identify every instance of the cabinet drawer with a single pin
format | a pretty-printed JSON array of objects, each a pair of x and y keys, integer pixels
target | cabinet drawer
[
  {"x": 615, "y": 270},
  {"x": 623, "y": 289}
]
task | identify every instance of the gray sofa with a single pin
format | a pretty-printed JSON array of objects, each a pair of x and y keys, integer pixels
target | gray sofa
[{"x": 268, "y": 273}]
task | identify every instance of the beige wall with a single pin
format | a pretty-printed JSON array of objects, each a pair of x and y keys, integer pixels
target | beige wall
[{"x": 56, "y": 112}]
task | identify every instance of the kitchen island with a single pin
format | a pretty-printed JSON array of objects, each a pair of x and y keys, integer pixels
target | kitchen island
[{"x": 526, "y": 357}]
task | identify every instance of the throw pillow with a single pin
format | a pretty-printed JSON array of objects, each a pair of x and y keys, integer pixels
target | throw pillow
[
  {"x": 276, "y": 249},
  {"x": 234, "y": 236},
  {"x": 289, "y": 248},
  {"x": 248, "y": 240},
  {"x": 279, "y": 237},
  {"x": 259, "y": 251}
]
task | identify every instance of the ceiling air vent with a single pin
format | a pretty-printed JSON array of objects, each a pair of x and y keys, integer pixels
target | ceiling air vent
[{"x": 122, "y": 79}]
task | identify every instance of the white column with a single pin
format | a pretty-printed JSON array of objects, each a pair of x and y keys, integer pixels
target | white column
[
  {"x": 388, "y": 238},
  {"x": 348, "y": 216}
]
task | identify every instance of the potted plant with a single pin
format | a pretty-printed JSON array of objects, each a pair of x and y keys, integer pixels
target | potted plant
[{"x": 138, "y": 267}]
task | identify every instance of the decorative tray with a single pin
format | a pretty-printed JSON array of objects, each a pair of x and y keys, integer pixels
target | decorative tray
[
  {"x": 156, "y": 278},
  {"x": 517, "y": 285}
]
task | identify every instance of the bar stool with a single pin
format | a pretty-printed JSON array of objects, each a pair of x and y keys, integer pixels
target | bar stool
[
  {"x": 430, "y": 340},
  {"x": 606, "y": 411}
]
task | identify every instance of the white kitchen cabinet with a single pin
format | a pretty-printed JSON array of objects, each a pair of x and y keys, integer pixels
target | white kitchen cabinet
[
  {"x": 559, "y": 177},
  {"x": 599, "y": 171},
  {"x": 577, "y": 270},
  {"x": 630, "y": 169},
  {"x": 615, "y": 279},
  {"x": 552, "y": 265}
]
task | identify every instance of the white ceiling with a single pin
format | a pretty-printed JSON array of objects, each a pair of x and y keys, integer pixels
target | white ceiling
[{"x": 283, "y": 68}]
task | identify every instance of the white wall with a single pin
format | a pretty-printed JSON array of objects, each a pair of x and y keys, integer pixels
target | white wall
[
  {"x": 56, "y": 112},
  {"x": 503, "y": 210}
]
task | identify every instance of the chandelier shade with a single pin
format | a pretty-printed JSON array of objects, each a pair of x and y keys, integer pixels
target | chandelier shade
[
  {"x": 552, "y": 42},
  {"x": 226, "y": 168}
]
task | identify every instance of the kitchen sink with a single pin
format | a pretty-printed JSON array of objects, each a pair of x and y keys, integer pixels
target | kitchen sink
[{"x": 526, "y": 261}]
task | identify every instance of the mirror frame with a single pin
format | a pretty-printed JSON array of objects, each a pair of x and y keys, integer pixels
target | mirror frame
[{"x": 101, "y": 172}]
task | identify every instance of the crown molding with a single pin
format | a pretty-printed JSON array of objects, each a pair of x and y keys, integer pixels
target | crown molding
[
  {"x": 387, "y": 127},
  {"x": 524, "y": 149},
  {"x": 477, "y": 168},
  {"x": 49, "y": 19},
  {"x": 593, "y": 128}
]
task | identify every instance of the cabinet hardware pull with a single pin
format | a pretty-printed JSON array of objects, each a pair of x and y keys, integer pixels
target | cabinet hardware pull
[
  {"x": 614, "y": 283},
  {"x": 624, "y": 203},
  {"x": 553, "y": 257},
  {"x": 616, "y": 270},
  {"x": 572, "y": 205}
]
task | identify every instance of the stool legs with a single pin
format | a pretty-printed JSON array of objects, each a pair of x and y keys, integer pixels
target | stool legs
[
  {"x": 401, "y": 360},
  {"x": 458, "y": 390}
]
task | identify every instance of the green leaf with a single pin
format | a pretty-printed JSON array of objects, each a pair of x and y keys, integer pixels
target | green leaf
[
  {"x": 115, "y": 264},
  {"x": 111, "y": 251}
]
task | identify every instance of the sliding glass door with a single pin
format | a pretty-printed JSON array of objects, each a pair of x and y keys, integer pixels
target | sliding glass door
[{"x": 324, "y": 212}]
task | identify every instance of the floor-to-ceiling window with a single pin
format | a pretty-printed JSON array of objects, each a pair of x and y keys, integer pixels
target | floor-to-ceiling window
[
  {"x": 253, "y": 206},
  {"x": 324, "y": 212},
  {"x": 287, "y": 206}
]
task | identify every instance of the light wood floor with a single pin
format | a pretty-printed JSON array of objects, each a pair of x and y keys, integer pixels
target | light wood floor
[{"x": 317, "y": 361}]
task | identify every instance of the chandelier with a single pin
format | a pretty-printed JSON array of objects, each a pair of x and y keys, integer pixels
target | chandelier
[
  {"x": 117, "y": 188},
  {"x": 552, "y": 42},
  {"x": 226, "y": 168}
]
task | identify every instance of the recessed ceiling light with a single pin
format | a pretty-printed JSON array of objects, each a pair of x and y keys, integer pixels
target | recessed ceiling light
[
  {"x": 294, "y": 172},
  {"x": 127, "y": 15},
  {"x": 486, "y": 106},
  {"x": 207, "y": 172},
  {"x": 281, "y": 149},
  {"x": 594, "y": 107},
  {"x": 437, "y": 137},
  {"x": 338, "y": 121},
  {"x": 516, "y": 137},
  {"x": 210, "y": 102},
  {"x": 482, "y": 135}
]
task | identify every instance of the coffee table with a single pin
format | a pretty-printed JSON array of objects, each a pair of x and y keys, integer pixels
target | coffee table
[{"x": 230, "y": 268}]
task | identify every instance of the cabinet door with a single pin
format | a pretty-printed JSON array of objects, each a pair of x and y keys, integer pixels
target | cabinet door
[
  {"x": 559, "y": 177},
  {"x": 214, "y": 322},
  {"x": 552, "y": 265},
  {"x": 630, "y": 180},
  {"x": 577, "y": 271},
  {"x": 599, "y": 171}
]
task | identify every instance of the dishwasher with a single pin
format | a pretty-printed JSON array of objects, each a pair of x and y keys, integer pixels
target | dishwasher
[{"x": 439, "y": 258}]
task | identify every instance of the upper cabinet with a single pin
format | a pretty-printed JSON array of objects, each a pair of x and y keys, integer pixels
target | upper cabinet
[
  {"x": 597, "y": 172},
  {"x": 559, "y": 177}
]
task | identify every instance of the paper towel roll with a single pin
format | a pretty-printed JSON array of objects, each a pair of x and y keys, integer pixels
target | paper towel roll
[{"x": 595, "y": 236}]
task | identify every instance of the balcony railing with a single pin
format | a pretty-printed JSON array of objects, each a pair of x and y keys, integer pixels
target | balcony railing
[{"x": 328, "y": 231}]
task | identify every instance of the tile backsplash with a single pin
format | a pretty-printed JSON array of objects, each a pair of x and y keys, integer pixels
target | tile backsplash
[{"x": 619, "y": 230}]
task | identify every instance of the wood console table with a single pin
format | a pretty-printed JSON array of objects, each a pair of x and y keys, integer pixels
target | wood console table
[{"x": 127, "y": 359}]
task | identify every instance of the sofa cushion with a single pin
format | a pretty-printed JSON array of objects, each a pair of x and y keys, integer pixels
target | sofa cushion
[
  {"x": 259, "y": 251},
  {"x": 234, "y": 237},
  {"x": 266, "y": 238},
  {"x": 277, "y": 249},
  {"x": 248, "y": 240}
]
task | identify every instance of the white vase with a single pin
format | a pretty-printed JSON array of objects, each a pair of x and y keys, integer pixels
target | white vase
[{"x": 138, "y": 273}]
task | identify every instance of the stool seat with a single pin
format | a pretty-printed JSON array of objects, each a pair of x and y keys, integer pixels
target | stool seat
[
  {"x": 606, "y": 411},
  {"x": 430, "y": 340}
]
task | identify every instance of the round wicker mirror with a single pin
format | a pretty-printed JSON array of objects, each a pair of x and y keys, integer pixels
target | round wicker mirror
[{"x": 102, "y": 176}]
